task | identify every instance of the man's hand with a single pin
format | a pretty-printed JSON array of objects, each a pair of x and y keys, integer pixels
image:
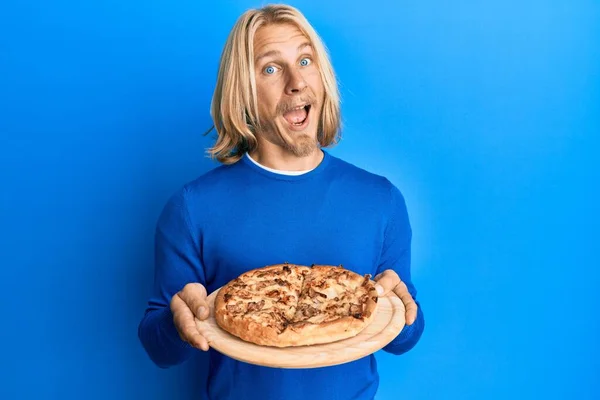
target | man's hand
[
  {"x": 190, "y": 302},
  {"x": 389, "y": 281}
]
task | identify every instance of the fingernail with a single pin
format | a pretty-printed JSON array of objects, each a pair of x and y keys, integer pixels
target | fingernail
[
  {"x": 201, "y": 311},
  {"x": 379, "y": 290}
]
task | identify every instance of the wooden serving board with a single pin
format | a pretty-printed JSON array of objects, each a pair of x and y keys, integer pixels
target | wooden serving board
[{"x": 386, "y": 325}]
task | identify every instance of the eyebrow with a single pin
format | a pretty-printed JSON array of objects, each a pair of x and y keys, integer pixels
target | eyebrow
[{"x": 276, "y": 52}]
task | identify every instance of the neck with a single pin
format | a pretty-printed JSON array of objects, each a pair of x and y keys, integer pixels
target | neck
[{"x": 280, "y": 159}]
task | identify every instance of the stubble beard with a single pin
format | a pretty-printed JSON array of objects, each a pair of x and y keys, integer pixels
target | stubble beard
[{"x": 302, "y": 146}]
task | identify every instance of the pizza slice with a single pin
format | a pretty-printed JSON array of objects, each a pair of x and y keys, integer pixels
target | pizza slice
[
  {"x": 335, "y": 303},
  {"x": 259, "y": 304}
]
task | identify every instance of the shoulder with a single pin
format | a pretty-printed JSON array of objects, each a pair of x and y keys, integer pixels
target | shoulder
[
  {"x": 211, "y": 182},
  {"x": 206, "y": 188},
  {"x": 219, "y": 176},
  {"x": 361, "y": 179}
]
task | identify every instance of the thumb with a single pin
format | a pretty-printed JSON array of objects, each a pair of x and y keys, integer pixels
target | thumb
[
  {"x": 386, "y": 282},
  {"x": 194, "y": 295}
]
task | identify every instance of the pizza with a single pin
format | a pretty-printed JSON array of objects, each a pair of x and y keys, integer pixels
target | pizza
[{"x": 287, "y": 305}]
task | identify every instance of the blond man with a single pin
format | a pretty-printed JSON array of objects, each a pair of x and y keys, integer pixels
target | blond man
[{"x": 278, "y": 196}]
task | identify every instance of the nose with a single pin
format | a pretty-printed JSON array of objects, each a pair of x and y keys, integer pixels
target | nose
[{"x": 296, "y": 83}]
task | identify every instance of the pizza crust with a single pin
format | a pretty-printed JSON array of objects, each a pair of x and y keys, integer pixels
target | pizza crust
[
  {"x": 249, "y": 330},
  {"x": 306, "y": 333},
  {"x": 287, "y": 305}
]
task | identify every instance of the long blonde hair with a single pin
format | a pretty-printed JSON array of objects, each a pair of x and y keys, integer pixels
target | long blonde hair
[{"x": 234, "y": 107}]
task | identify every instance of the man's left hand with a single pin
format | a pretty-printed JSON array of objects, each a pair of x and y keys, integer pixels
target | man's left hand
[{"x": 389, "y": 281}]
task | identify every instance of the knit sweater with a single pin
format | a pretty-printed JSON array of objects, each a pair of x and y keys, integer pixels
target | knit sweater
[{"x": 242, "y": 216}]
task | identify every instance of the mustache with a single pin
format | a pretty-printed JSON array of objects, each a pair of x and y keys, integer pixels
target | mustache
[{"x": 286, "y": 106}]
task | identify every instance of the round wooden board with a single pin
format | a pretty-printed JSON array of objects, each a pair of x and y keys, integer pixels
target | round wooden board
[{"x": 386, "y": 325}]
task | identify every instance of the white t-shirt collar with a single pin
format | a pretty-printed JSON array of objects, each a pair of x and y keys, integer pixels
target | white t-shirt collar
[{"x": 277, "y": 171}]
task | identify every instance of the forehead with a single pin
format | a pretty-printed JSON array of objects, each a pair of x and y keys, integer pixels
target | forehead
[{"x": 278, "y": 37}]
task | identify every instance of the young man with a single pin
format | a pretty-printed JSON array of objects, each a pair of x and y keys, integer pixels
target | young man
[{"x": 277, "y": 197}]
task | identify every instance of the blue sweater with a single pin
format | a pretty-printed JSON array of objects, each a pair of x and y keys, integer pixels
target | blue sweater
[{"x": 239, "y": 217}]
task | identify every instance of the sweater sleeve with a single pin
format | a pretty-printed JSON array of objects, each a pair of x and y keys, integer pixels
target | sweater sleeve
[
  {"x": 396, "y": 255},
  {"x": 177, "y": 263}
]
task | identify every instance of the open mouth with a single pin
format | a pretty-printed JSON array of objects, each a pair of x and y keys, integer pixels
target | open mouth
[{"x": 298, "y": 117}]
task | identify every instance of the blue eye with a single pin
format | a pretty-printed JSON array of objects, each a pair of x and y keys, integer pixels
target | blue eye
[
  {"x": 270, "y": 70},
  {"x": 305, "y": 61}
]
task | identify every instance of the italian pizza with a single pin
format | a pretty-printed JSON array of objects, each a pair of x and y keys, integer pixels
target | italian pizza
[{"x": 286, "y": 305}]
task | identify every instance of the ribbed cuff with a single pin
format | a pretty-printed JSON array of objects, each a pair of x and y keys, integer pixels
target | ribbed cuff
[
  {"x": 167, "y": 327},
  {"x": 408, "y": 337}
]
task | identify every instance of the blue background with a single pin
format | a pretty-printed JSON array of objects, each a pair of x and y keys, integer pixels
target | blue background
[{"x": 485, "y": 114}]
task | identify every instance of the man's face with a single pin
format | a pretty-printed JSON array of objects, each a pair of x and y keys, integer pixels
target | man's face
[{"x": 289, "y": 89}]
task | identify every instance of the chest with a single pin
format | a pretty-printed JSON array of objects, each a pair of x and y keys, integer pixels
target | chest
[{"x": 316, "y": 229}]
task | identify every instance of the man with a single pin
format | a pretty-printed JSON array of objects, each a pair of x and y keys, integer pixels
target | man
[{"x": 278, "y": 196}]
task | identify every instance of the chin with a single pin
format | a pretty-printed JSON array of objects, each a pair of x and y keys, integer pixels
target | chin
[{"x": 302, "y": 145}]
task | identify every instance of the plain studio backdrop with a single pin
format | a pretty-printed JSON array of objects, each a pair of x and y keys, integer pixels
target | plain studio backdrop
[{"x": 485, "y": 114}]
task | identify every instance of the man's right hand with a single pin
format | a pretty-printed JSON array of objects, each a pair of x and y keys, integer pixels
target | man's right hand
[{"x": 188, "y": 303}]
